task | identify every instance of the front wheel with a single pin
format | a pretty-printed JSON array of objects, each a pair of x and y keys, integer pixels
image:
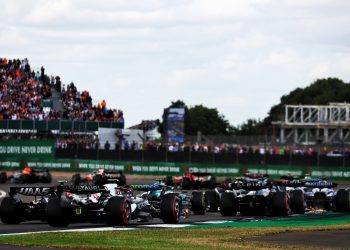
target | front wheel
[
  {"x": 118, "y": 211},
  {"x": 199, "y": 202},
  {"x": 297, "y": 202},
  {"x": 170, "y": 209}
]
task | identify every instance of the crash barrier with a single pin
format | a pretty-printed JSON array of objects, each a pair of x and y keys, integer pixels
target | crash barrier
[
  {"x": 59, "y": 125},
  {"x": 205, "y": 157},
  {"x": 162, "y": 169}
]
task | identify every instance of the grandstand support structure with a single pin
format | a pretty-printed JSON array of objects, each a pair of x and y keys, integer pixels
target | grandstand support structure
[{"x": 315, "y": 124}]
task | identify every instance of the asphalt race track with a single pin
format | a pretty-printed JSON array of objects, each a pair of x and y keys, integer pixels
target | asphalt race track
[{"x": 339, "y": 239}]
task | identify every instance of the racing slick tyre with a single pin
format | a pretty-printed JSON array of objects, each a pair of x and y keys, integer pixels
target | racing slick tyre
[
  {"x": 170, "y": 208},
  {"x": 297, "y": 202},
  {"x": 46, "y": 178},
  {"x": 228, "y": 204},
  {"x": 121, "y": 180},
  {"x": 212, "y": 182},
  {"x": 168, "y": 180},
  {"x": 280, "y": 203},
  {"x": 199, "y": 202},
  {"x": 342, "y": 200},
  {"x": 76, "y": 179},
  {"x": 118, "y": 211},
  {"x": 186, "y": 183},
  {"x": 11, "y": 212},
  {"x": 3, "y": 177},
  {"x": 56, "y": 215},
  {"x": 97, "y": 179},
  {"x": 213, "y": 200}
]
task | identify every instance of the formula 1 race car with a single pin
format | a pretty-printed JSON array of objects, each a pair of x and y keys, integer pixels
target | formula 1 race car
[
  {"x": 317, "y": 193},
  {"x": 112, "y": 205},
  {"x": 28, "y": 175},
  {"x": 13, "y": 210},
  {"x": 100, "y": 177},
  {"x": 256, "y": 196},
  {"x": 192, "y": 180}
]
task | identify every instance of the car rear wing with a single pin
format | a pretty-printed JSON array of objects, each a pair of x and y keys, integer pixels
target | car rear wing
[
  {"x": 32, "y": 191},
  {"x": 200, "y": 174},
  {"x": 82, "y": 189},
  {"x": 320, "y": 184},
  {"x": 149, "y": 187},
  {"x": 237, "y": 185},
  {"x": 302, "y": 183}
]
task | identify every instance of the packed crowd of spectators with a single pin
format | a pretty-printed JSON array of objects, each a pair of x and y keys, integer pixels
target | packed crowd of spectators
[
  {"x": 22, "y": 92},
  {"x": 87, "y": 142},
  {"x": 78, "y": 106}
]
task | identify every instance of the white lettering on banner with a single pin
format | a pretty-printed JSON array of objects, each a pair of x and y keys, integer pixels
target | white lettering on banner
[
  {"x": 2, "y": 150},
  {"x": 153, "y": 168},
  {"x": 346, "y": 174},
  {"x": 13, "y": 150},
  {"x": 43, "y": 149},
  {"x": 272, "y": 172},
  {"x": 28, "y": 150},
  {"x": 233, "y": 170},
  {"x": 164, "y": 169},
  {"x": 136, "y": 169},
  {"x": 211, "y": 170},
  {"x": 83, "y": 165},
  {"x": 145, "y": 168},
  {"x": 174, "y": 169}
]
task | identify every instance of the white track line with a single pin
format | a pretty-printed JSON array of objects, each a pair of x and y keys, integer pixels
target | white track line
[{"x": 98, "y": 229}]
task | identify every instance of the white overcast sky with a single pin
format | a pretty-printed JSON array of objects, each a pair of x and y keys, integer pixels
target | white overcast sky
[{"x": 238, "y": 56}]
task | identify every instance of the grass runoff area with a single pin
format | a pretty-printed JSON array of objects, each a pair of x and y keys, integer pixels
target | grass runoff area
[
  {"x": 210, "y": 238},
  {"x": 230, "y": 235}
]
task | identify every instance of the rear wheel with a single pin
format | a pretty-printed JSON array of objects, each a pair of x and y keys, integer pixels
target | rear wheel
[
  {"x": 56, "y": 215},
  {"x": 213, "y": 200},
  {"x": 121, "y": 180},
  {"x": 342, "y": 200},
  {"x": 76, "y": 179},
  {"x": 280, "y": 203},
  {"x": 3, "y": 177},
  {"x": 11, "y": 212},
  {"x": 199, "y": 202},
  {"x": 228, "y": 204},
  {"x": 97, "y": 179},
  {"x": 118, "y": 211},
  {"x": 297, "y": 202},
  {"x": 170, "y": 208},
  {"x": 46, "y": 178},
  {"x": 186, "y": 183},
  {"x": 212, "y": 182},
  {"x": 169, "y": 180}
]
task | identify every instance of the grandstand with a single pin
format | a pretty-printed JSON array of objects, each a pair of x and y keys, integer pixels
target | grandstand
[{"x": 32, "y": 101}]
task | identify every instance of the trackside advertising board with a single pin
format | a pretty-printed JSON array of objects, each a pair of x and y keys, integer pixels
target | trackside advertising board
[
  {"x": 163, "y": 169},
  {"x": 27, "y": 149}
]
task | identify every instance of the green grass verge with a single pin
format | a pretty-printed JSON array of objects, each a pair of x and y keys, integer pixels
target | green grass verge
[{"x": 210, "y": 238}]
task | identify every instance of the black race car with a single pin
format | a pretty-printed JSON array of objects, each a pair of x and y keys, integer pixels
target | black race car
[
  {"x": 14, "y": 210},
  {"x": 112, "y": 205}
]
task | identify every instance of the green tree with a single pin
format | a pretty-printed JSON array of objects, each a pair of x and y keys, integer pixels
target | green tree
[{"x": 200, "y": 118}]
